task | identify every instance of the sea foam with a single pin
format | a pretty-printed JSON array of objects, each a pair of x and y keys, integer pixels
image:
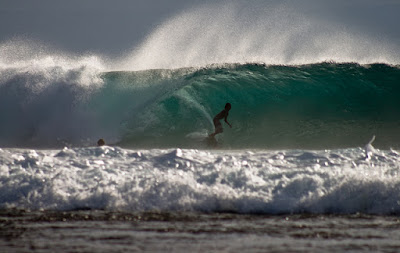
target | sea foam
[{"x": 270, "y": 182}]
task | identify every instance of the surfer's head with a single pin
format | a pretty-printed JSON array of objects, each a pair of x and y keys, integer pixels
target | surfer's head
[
  {"x": 228, "y": 106},
  {"x": 101, "y": 142}
]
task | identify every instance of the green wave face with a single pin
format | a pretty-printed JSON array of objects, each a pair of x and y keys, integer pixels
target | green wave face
[{"x": 310, "y": 106}]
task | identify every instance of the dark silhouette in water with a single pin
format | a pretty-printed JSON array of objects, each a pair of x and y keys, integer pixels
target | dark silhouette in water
[
  {"x": 222, "y": 115},
  {"x": 101, "y": 142}
]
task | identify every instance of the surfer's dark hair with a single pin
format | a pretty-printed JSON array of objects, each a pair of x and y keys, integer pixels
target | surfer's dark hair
[
  {"x": 227, "y": 105},
  {"x": 101, "y": 142}
]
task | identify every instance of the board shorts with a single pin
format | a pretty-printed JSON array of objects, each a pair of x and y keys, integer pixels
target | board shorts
[{"x": 218, "y": 126}]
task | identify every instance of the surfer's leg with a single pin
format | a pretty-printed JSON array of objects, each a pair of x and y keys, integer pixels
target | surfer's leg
[{"x": 218, "y": 128}]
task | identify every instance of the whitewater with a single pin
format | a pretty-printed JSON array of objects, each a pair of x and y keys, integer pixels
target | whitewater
[
  {"x": 269, "y": 182},
  {"x": 297, "y": 166}
]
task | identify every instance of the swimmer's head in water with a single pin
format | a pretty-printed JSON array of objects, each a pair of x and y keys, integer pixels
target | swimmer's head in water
[
  {"x": 228, "y": 106},
  {"x": 101, "y": 142}
]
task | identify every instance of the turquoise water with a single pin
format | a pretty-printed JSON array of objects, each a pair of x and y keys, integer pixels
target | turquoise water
[
  {"x": 291, "y": 174},
  {"x": 324, "y": 105}
]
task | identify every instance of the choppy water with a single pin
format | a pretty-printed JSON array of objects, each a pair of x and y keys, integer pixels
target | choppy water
[
  {"x": 102, "y": 231},
  {"x": 269, "y": 182}
]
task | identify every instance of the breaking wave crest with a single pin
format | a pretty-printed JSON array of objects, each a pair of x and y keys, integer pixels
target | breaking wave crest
[{"x": 324, "y": 105}]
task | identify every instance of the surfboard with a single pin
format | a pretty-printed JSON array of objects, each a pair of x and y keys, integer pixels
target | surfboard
[
  {"x": 203, "y": 138},
  {"x": 198, "y": 135},
  {"x": 211, "y": 141}
]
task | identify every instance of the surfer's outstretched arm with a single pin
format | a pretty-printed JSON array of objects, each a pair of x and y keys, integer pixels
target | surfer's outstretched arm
[{"x": 226, "y": 121}]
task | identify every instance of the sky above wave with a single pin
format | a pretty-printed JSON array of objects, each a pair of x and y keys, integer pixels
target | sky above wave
[{"x": 115, "y": 27}]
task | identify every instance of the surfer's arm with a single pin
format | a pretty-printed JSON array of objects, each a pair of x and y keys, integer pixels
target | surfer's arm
[{"x": 226, "y": 121}]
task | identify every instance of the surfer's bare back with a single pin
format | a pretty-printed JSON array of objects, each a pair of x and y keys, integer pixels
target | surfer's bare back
[{"x": 222, "y": 115}]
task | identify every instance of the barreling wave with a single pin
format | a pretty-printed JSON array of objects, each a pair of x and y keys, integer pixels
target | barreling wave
[
  {"x": 309, "y": 106},
  {"x": 324, "y": 105}
]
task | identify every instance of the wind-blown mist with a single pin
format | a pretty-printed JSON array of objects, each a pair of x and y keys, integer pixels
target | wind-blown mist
[
  {"x": 49, "y": 97},
  {"x": 42, "y": 92},
  {"x": 265, "y": 34}
]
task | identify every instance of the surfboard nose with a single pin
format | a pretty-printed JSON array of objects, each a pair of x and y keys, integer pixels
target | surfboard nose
[{"x": 369, "y": 149}]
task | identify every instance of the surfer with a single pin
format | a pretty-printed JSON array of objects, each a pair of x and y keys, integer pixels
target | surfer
[
  {"x": 222, "y": 115},
  {"x": 101, "y": 142}
]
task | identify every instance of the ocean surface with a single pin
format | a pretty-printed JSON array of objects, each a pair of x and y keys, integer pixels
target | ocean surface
[
  {"x": 313, "y": 106},
  {"x": 114, "y": 199},
  {"x": 311, "y": 163}
]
